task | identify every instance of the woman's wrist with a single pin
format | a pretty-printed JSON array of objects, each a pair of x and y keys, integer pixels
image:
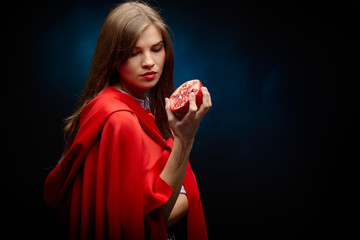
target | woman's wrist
[
  {"x": 181, "y": 151},
  {"x": 186, "y": 144}
]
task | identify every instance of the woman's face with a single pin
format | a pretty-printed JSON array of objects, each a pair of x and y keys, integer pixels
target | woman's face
[{"x": 142, "y": 70}]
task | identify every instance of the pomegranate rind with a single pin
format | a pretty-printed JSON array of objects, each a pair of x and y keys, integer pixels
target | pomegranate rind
[{"x": 179, "y": 100}]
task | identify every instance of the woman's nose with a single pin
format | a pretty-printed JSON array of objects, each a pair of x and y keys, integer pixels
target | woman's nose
[{"x": 148, "y": 61}]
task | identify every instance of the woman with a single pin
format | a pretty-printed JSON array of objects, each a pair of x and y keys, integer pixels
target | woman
[{"x": 118, "y": 178}]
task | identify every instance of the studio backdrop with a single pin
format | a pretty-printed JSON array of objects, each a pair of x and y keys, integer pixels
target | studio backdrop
[{"x": 273, "y": 157}]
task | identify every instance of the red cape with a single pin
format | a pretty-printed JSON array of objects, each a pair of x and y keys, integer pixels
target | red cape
[{"x": 108, "y": 183}]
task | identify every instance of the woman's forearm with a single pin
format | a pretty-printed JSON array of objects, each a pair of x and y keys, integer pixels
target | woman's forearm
[
  {"x": 174, "y": 172},
  {"x": 179, "y": 210}
]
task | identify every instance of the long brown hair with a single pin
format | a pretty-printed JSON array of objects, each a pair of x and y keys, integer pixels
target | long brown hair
[{"x": 117, "y": 38}]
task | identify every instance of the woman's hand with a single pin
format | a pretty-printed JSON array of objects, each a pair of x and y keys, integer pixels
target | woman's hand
[{"x": 185, "y": 128}]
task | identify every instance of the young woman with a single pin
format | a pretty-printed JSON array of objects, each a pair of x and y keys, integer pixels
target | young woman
[{"x": 125, "y": 173}]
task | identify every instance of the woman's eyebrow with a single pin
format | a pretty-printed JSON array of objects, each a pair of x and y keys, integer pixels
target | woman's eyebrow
[
  {"x": 154, "y": 45},
  {"x": 159, "y": 43}
]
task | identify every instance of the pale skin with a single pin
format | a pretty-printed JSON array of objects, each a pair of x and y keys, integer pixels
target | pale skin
[{"x": 149, "y": 55}]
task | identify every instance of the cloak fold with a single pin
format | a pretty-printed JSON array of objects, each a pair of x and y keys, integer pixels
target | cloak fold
[{"x": 108, "y": 185}]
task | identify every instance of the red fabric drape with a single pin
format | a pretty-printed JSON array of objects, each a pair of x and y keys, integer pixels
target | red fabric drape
[{"x": 108, "y": 183}]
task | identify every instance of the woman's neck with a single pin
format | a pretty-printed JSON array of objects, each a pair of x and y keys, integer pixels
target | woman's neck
[{"x": 132, "y": 90}]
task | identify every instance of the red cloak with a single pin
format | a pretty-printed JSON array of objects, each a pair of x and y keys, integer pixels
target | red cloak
[{"x": 108, "y": 183}]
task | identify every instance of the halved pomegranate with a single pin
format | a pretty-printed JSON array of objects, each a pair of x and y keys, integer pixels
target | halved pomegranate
[{"x": 179, "y": 100}]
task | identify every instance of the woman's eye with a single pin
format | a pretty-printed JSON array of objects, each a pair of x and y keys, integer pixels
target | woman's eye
[
  {"x": 134, "y": 54},
  {"x": 157, "y": 49}
]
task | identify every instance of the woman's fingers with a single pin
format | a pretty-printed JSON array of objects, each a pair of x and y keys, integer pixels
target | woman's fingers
[
  {"x": 192, "y": 108},
  {"x": 206, "y": 98},
  {"x": 206, "y": 102},
  {"x": 192, "y": 105},
  {"x": 169, "y": 113}
]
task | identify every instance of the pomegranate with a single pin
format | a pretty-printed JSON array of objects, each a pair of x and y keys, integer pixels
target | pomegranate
[{"x": 179, "y": 100}]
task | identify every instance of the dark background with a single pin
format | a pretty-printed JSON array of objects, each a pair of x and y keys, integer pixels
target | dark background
[{"x": 275, "y": 156}]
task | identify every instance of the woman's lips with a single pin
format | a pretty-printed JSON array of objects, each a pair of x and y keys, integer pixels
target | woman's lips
[{"x": 149, "y": 75}]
